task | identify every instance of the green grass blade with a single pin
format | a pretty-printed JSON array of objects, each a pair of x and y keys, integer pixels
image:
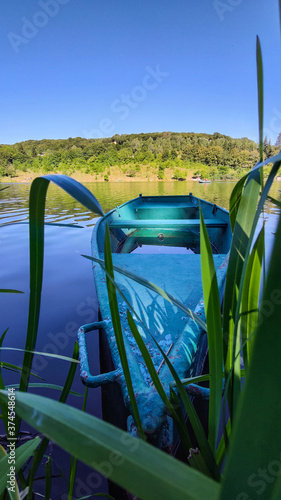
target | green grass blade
[
  {"x": 260, "y": 95},
  {"x": 192, "y": 380},
  {"x": 194, "y": 420},
  {"x": 57, "y": 224},
  {"x": 274, "y": 201},
  {"x": 154, "y": 288},
  {"x": 15, "y": 368},
  {"x": 157, "y": 383},
  {"x": 239, "y": 248},
  {"x": 37, "y": 199},
  {"x": 276, "y": 494},
  {"x": 144, "y": 470},
  {"x": 63, "y": 397},
  {"x": 48, "y": 479},
  {"x": 71, "y": 374},
  {"x": 113, "y": 303},
  {"x": 46, "y": 386},
  {"x": 73, "y": 460},
  {"x": 256, "y": 440},
  {"x": 236, "y": 194},
  {"x": 234, "y": 386},
  {"x": 9, "y": 290},
  {"x": 214, "y": 332},
  {"x": 31, "y": 476},
  {"x": 23, "y": 452},
  {"x": 235, "y": 199},
  {"x": 250, "y": 297},
  {"x": 76, "y": 190},
  {"x": 46, "y": 354},
  {"x": 222, "y": 446}
]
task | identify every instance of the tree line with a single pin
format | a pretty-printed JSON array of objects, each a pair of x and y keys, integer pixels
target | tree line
[{"x": 163, "y": 150}]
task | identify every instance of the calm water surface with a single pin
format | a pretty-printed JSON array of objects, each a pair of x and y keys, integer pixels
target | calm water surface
[{"x": 69, "y": 298}]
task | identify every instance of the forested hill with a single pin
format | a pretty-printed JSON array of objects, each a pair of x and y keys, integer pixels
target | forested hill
[{"x": 161, "y": 150}]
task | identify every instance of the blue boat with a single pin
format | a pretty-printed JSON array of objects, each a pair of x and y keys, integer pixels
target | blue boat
[{"x": 157, "y": 238}]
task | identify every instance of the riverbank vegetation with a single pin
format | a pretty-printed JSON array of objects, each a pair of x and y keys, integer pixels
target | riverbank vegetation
[{"x": 162, "y": 156}]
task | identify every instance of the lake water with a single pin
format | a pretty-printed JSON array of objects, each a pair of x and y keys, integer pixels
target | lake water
[{"x": 69, "y": 298}]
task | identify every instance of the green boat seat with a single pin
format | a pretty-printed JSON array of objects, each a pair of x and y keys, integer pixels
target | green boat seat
[{"x": 166, "y": 223}]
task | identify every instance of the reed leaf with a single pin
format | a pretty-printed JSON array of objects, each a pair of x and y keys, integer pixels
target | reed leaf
[
  {"x": 15, "y": 368},
  {"x": 274, "y": 201},
  {"x": 223, "y": 444},
  {"x": 9, "y": 290},
  {"x": 236, "y": 194},
  {"x": 47, "y": 386},
  {"x": 194, "y": 420},
  {"x": 239, "y": 248},
  {"x": 250, "y": 297},
  {"x": 235, "y": 199},
  {"x": 142, "y": 469},
  {"x": 113, "y": 303},
  {"x": 214, "y": 332},
  {"x": 243, "y": 255},
  {"x": 46, "y": 354},
  {"x": 63, "y": 397},
  {"x": 48, "y": 479},
  {"x": 192, "y": 380},
  {"x": 256, "y": 440},
  {"x": 37, "y": 199},
  {"x": 260, "y": 96},
  {"x": 31, "y": 475},
  {"x": 276, "y": 494},
  {"x": 57, "y": 224},
  {"x": 73, "y": 460},
  {"x": 180, "y": 423}
]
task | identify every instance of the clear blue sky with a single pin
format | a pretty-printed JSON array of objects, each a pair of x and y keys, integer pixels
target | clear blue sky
[{"x": 93, "y": 69}]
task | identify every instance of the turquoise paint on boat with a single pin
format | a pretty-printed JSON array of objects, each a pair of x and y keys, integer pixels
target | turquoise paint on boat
[{"x": 157, "y": 238}]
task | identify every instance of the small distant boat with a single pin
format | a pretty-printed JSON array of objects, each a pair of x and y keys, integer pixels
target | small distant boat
[
  {"x": 157, "y": 238},
  {"x": 204, "y": 181}
]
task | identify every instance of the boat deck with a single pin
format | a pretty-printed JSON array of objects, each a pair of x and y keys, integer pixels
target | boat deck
[{"x": 178, "y": 275}]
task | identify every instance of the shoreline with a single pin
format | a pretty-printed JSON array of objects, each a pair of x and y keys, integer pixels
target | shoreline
[{"x": 28, "y": 177}]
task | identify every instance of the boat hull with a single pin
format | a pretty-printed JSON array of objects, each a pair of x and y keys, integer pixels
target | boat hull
[{"x": 157, "y": 238}]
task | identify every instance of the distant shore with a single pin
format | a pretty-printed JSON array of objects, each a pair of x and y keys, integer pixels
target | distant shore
[{"x": 28, "y": 177}]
